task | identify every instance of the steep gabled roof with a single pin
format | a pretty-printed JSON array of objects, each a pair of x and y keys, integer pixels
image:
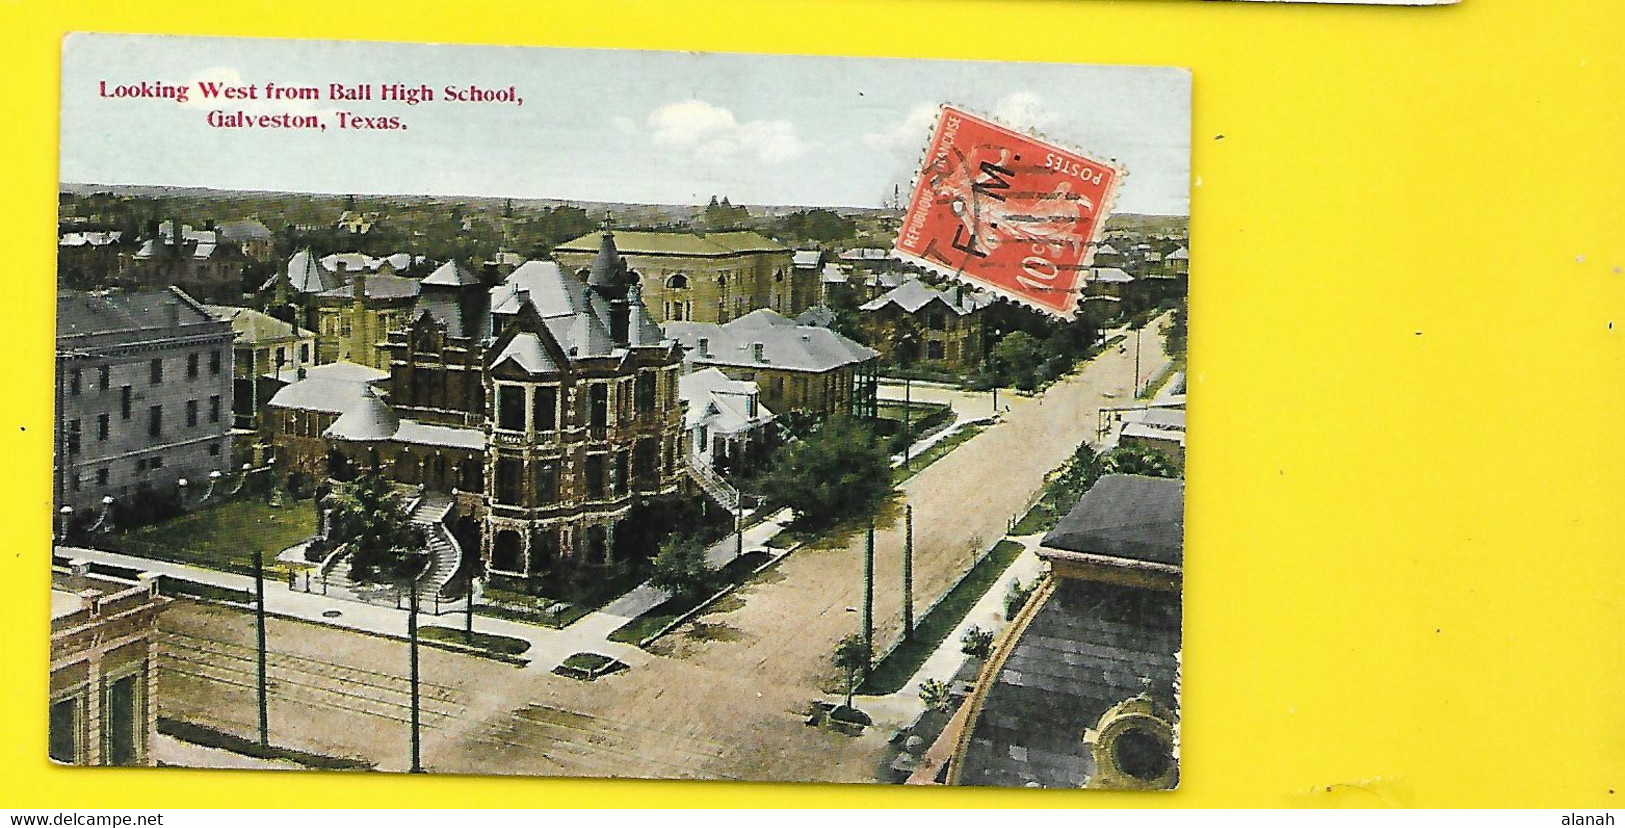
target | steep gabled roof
[
  {"x": 914, "y": 294},
  {"x": 305, "y": 274},
  {"x": 526, "y": 351},
  {"x": 450, "y": 274}
]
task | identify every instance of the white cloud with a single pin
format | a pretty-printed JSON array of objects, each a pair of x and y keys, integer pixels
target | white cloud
[
  {"x": 1024, "y": 110},
  {"x": 909, "y": 135},
  {"x": 711, "y": 133}
]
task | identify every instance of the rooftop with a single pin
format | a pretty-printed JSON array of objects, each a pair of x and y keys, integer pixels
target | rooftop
[
  {"x": 785, "y": 344},
  {"x": 1126, "y": 516},
  {"x": 913, "y": 295},
  {"x": 669, "y": 243}
]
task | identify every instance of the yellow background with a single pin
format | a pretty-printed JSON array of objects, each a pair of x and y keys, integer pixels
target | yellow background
[{"x": 1404, "y": 552}]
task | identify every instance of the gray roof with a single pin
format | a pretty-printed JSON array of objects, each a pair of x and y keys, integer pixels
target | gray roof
[
  {"x": 807, "y": 258},
  {"x": 379, "y": 286},
  {"x": 367, "y": 419},
  {"x": 818, "y": 316},
  {"x": 1111, "y": 274},
  {"x": 526, "y": 350},
  {"x": 720, "y": 403},
  {"x": 450, "y": 274},
  {"x": 80, "y": 314},
  {"x": 785, "y": 344},
  {"x": 1090, "y": 646},
  {"x": 1181, "y": 253},
  {"x": 1126, "y": 516},
  {"x": 305, "y": 274},
  {"x": 324, "y": 394},
  {"x": 914, "y": 294},
  {"x": 245, "y": 230},
  {"x": 550, "y": 289}
]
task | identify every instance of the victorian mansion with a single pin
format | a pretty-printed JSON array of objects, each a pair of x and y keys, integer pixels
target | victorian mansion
[{"x": 537, "y": 410}]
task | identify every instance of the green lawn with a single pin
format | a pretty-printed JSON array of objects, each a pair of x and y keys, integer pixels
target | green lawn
[
  {"x": 528, "y": 609},
  {"x": 485, "y": 641},
  {"x": 936, "y": 452},
  {"x": 224, "y": 536},
  {"x": 899, "y": 666}
]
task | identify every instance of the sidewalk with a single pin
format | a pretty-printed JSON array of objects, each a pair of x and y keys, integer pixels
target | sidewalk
[{"x": 898, "y": 709}]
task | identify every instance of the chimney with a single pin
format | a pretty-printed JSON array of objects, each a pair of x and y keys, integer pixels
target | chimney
[
  {"x": 757, "y": 351},
  {"x": 705, "y": 346},
  {"x": 172, "y": 312},
  {"x": 301, "y": 373},
  {"x": 360, "y": 291}
]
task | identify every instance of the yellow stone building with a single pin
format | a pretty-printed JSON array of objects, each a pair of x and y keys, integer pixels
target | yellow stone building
[
  {"x": 353, "y": 321},
  {"x": 690, "y": 277}
]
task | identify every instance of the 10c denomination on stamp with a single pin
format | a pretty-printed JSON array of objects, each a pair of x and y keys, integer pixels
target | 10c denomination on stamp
[{"x": 1007, "y": 212}]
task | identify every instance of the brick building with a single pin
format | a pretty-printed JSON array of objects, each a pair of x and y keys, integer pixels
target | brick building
[
  {"x": 797, "y": 367},
  {"x": 915, "y": 324},
  {"x": 103, "y": 676}
]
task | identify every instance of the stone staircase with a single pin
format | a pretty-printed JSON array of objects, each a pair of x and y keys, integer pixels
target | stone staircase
[{"x": 427, "y": 510}]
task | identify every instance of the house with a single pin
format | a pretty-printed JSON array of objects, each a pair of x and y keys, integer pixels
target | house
[
  {"x": 797, "y": 367},
  {"x": 727, "y": 424},
  {"x": 1081, "y": 689},
  {"x": 196, "y": 261},
  {"x": 250, "y": 236},
  {"x": 354, "y": 319},
  {"x": 693, "y": 277},
  {"x": 1160, "y": 428},
  {"x": 144, "y": 379},
  {"x": 915, "y": 324},
  {"x": 89, "y": 259},
  {"x": 103, "y": 709},
  {"x": 264, "y": 345},
  {"x": 301, "y": 406}
]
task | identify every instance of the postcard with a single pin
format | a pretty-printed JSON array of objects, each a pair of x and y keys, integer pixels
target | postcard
[{"x": 531, "y": 411}]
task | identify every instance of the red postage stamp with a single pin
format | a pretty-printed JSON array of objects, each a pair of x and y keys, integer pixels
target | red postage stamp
[{"x": 1007, "y": 212}]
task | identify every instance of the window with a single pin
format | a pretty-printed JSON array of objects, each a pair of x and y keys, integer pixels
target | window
[
  {"x": 304, "y": 352},
  {"x": 122, "y": 709},
  {"x": 646, "y": 460},
  {"x": 933, "y": 350},
  {"x": 595, "y": 475},
  {"x": 191, "y": 413},
  {"x": 104, "y": 378},
  {"x": 511, "y": 408},
  {"x": 102, "y": 424},
  {"x": 65, "y": 729},
  {"x": 545, "y": 408},
  {"x": 156, "y": 370},
  {"x": 214, "y": 409},
  {"x": 214, "y": 362},
  {"x": 102, "y": 475},
  {"x": 75, "y": 378},
  {"x": 214, "y": 449},
  {"x": 505, "y": 552},
  {"x": 547, "y": 484},
  {"x": 936, "y": 322},
  {"x": 509, "y": 473},
  {"x": 677, "y": 281},
  {"x": 618, "y": 473},
  {"x": 644, "y": 395},
  {"x": 599, "y": 405},
  {"x": 155, "y": 421},
  {"x": 124, "y": 403},
  {"x": 191, "y": 365}
]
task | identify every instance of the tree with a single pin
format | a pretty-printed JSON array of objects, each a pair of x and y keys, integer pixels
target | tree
[
  {"x": 1016, "y": 359},
  {"x": 1139, "y": 460},
  {"x": 680, "y": 567},
  {"x": 370, "y": 516},
  {"x": 841, "y": 470},
  {"x": 852, "y": 657},
  {"x": 977, "y": 643}
]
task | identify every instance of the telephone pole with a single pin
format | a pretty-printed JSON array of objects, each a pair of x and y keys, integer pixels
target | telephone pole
[
  {"x": 417, "y": 721},
  {"x": 259, "y": 625},
  {"x": 908, "y": 571},
  {"x": 869, "y": 592}
]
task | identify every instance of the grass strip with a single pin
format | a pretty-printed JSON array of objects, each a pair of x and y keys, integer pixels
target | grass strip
[{"x": 904, "y": 661}]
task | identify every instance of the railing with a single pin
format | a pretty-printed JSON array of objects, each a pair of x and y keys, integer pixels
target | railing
[{"x": 712, "y": 483}]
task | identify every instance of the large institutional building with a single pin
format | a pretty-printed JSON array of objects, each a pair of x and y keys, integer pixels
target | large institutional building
[
  {"x": 144, "y": 383},
  {"x": 712, "y": 278}
]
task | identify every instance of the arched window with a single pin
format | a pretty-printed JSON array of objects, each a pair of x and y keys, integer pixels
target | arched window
[{"x": 677, "y": 281}]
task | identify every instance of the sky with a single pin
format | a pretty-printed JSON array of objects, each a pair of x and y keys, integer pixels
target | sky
[{"x": 598, "y": 125}]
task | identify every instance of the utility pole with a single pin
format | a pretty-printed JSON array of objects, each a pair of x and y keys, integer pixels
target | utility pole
[
  {"x": 869, "y": 593},
  {"x": 908, "y": 433},
  {"x": 468, "y": 629},
  {"x": 412, "y": 638},
  {"x": 1137, "y": 361},
  {"x": 259, "y": 624},
  {"x": 739, "y": 528},
  {"x": 908, "y": 571}
]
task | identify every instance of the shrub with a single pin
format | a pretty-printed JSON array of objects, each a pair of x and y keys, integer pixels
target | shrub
[{"x": 977, "y": 643}]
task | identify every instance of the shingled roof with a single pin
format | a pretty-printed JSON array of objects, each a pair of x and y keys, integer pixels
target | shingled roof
[
  {"x": 914, "y": 294},
  {"x": 1126, "y": 516},
  {"x": 785, "y": 344}
]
